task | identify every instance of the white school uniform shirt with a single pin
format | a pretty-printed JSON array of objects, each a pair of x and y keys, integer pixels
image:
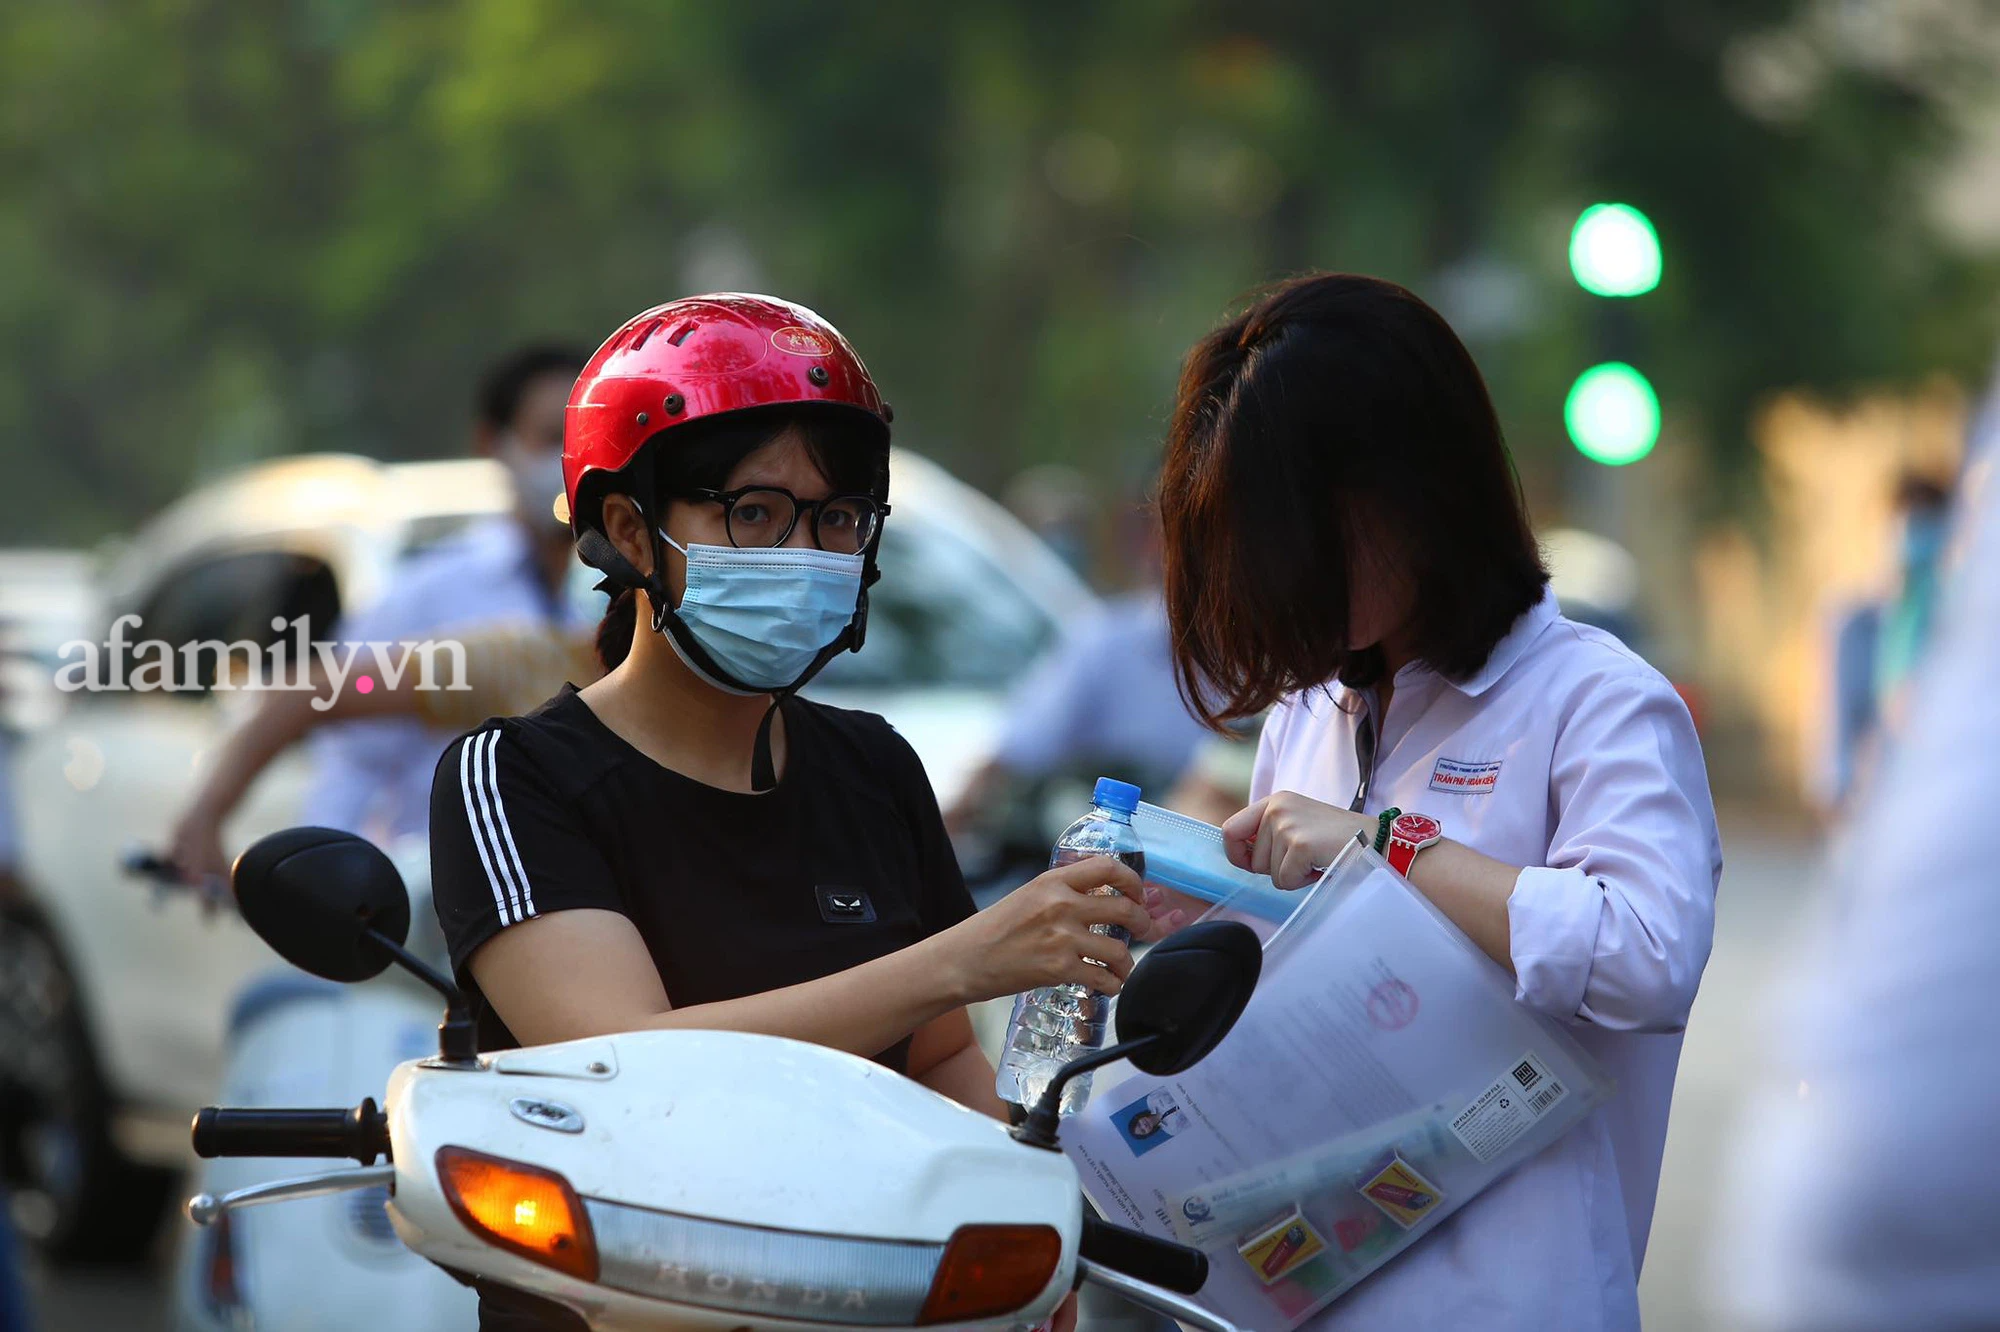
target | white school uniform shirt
[{"x": 1568, "y": 755}]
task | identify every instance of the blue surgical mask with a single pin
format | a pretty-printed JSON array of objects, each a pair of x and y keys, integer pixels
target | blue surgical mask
[
  {"x": 764, "y": 615},
  {"x": 537, "y": 475}
]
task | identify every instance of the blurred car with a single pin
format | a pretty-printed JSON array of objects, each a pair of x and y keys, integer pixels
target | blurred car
[
  {"x": 113, "y": 1008},
  {"x": 47, "y": 598}
]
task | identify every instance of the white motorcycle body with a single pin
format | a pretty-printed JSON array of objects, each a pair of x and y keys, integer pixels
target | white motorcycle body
[
  {"x": 328, "y": 1264},
  {"x": 332, "y": 1263},
  {"x": 731, "y": 1181},
  {"x": 707, "y": 1180}
]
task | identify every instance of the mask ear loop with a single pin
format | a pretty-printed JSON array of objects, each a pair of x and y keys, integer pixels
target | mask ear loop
[{"x": 662, "y": 609}]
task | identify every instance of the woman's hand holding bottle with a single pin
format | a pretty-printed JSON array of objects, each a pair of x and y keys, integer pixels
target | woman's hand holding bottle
[{"x": 1040, "y": 934}]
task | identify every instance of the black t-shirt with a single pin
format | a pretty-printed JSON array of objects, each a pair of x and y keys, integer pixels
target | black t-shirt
[{"x": 845, "y": 860}]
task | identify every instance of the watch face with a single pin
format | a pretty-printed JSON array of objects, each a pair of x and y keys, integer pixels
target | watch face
[{"x": 1418, "y": 828}]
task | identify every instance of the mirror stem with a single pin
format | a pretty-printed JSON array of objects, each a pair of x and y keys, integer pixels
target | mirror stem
[
  {"x": 458, "y": 1038},
  {"x": 1039, "y": 1129}
]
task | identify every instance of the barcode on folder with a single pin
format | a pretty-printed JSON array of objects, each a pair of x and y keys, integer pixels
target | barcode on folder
[{"x": 1508, "y": 1107}]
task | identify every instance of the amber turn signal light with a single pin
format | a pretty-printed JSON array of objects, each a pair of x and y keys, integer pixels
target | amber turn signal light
[
  {"x": 990, "y": 1270},
  {"x": 523, "y": 1209}
]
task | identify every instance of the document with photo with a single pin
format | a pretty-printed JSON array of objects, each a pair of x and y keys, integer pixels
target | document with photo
[{"x": 1382, "y": 1075}]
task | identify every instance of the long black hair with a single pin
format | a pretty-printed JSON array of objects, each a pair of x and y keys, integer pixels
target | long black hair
[{"x": 847, "y": 449}]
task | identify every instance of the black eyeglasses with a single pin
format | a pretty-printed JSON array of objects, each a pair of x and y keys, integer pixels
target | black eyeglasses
[{"x": 760, "y": 517}]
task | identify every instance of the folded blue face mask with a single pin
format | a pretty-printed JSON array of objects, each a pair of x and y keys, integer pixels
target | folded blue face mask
[{"x": 763, "y": 616}]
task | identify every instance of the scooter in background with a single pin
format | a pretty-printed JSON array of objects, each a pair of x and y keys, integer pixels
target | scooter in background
[
  {"x": 711, "y": 1179},
  {"x": 331, "y": 1262}
]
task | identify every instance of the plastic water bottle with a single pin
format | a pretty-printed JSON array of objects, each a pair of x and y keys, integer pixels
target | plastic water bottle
[{"x": 1055, "y": 1024}]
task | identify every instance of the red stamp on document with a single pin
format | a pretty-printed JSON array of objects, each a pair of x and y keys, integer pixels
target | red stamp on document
[{"x": 1392, "y": 1005}]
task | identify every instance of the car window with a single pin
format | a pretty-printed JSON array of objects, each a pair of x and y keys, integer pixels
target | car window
[
  {"x": 235, "y": 598},
  {"x": 943, "y": 614}
]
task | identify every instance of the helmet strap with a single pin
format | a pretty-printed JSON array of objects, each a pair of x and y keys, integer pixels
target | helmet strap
[{"x": 595, "y": 549}]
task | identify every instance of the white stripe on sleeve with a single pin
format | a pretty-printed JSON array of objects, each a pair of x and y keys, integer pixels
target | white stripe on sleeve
[
  {"x": 527, "y": 904},
  {"x": 486, "y": 777},
  {"x": 474, "y": 824}
]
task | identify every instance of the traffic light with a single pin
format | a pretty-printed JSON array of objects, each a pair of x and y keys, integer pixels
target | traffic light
[
  {"x": 1614, "y": 251},
  {"x": 1612, "y": 413}
]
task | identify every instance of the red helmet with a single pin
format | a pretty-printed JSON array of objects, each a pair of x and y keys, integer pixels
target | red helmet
[{"x": 698, "y": 357}]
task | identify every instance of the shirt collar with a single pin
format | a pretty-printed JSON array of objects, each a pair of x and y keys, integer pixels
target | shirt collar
[{"x": 1509, "y": 649}]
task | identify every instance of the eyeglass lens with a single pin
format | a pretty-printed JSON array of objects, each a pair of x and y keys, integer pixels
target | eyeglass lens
[{"x": 762, "y": 518}]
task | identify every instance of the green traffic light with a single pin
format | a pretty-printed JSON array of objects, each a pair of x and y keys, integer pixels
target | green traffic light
[
  {"x": 1613, "y": 414},
  {"x": 1614, "y": 251}
]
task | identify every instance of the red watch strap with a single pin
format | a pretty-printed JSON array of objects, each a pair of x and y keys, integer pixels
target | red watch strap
[{"x": 1402, "y": 855}]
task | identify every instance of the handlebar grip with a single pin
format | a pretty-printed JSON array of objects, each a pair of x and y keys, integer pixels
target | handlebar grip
[
  {"x": 147, "y": 865},
  {"x": 1161, "y": 1262},
  {"x": 361, "y": 1133}
]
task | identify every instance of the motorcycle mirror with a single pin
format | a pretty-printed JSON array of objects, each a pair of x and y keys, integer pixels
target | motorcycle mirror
[
  {"x": 321, "y": 898},
  {"x": 1177, "y": 1005},
  {"x": 1186, "y": 993}
]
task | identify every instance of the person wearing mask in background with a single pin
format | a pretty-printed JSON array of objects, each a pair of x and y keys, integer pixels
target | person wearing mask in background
[
  {"x": 1346, "y": 540},
  {"x": 1868, "y": 1144},
  {"x": 372, "y": 775},
  {"x": 1876, "y": 644},
  {"x": 688, "y": 843}
]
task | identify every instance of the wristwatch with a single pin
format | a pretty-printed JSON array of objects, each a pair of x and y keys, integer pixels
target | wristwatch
[{"x": 1409, "y": 834}]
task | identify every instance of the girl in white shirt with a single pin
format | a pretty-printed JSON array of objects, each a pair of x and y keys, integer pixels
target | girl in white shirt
[{"x": 1346, "y": 540}]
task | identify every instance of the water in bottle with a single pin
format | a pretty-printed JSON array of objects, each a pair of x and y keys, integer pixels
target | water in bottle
[{"x": 1055, "y": 1024}]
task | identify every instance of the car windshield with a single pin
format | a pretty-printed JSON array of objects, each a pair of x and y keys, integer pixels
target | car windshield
[{"x": 942, "y": 615}]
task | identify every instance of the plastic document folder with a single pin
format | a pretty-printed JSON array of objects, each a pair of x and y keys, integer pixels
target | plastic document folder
[{"x": 1381, "y": 1077}]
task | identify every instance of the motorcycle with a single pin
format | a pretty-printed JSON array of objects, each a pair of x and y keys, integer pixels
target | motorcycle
[
  {"x": 711, "y": 1179},
  {"x": 333, "y": 1262}
]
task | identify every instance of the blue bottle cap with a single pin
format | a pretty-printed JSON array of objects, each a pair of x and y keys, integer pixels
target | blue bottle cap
[{"x": 1114, "y": 794}]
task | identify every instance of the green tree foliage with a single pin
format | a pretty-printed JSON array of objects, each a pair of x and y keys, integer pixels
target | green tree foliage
[{"x": 231, "y": 230}]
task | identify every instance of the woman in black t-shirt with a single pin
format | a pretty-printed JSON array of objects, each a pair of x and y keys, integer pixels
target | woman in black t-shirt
[{"x": 687, "y": 843}]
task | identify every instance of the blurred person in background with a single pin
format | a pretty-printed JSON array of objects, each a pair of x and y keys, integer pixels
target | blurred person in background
[
  {"x": 1104, "y": 698},
  {"x": 508, "y": 670},
  {"x": 1216, "y": 781},
  {"x": 1346, "y": 540},
  {"x": 372, "y": 775},
  {"x": 1864, "y": 1191},
  {"x": 1876, "y": 644},
  {"x": 1054, "y": 501}
]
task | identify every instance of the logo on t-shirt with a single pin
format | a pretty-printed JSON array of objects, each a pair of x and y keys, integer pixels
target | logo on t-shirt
[
  {"x": 845, "y": 906},
  {"x": 1462, "y": 778}
]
